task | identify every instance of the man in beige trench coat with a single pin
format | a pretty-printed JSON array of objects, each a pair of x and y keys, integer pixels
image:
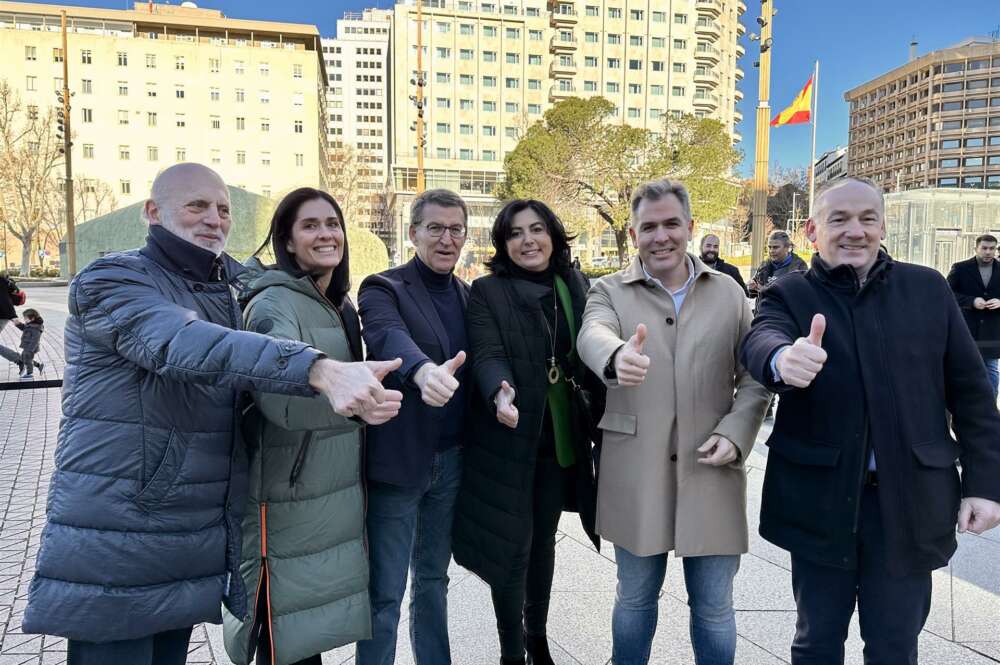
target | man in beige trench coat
[{"x": 681, "y": 417}]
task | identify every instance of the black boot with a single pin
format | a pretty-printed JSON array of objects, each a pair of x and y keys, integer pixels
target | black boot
[{"x": 537, "y": 647}]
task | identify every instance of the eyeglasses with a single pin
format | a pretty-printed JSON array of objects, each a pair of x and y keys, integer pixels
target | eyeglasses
[{"x": 437, "y": 230}]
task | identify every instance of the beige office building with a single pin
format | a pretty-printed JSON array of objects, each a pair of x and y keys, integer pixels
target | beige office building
[
  {"x": 932, "y": 122},
  {"x": 357, "y": 64},
  {"x": 493, "y": 67},
  {"x": 161, "y": 84}
]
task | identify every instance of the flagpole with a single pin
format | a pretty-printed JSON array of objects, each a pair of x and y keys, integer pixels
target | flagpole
[{"x": 812, "y": 162}]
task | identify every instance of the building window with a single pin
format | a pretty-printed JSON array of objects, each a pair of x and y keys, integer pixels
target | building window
[
  {"x": 466, "y": 54},
  {"x": 593, "y": 10},
  {"x": 241, "y": 157},
  {"x": 511, "y": 107},
  {"x": 265, "y": 159},
  {"x": 656, "y": 90},
  {"x": 489, "y": 130},
  {"x": 614, "y": 39},
  {"x": 179, "y": 92},
  {"x": 677, "y": 91},
  {"x": 296, "y": 71},
  {"x": 635, "y": 65},
  {"x": 241, "y": 123},
  {"x": 122, "y": 117},
  {"x": 680, "y": 19},
  {"x": 151, "y": 119},
  {"x": 679, "y": 67},
  {"x": 613, "y": 87},
  {"x": 152, "y": 153},
  {"x": 489, "y": 81},
  {"x": 614, "y": 63},
  {"x": 214, "y": 65},
  {"x": 86, "y": 57},
  {"x": 512, "y": 83},
  {"x": 125, "y": 186},
  {"x": 658, "y": 65},
  {"x": 88, "y": 150},
  {"x": 151, "y": 90},
  {"x": 88, "y": 115},
  {"x": 535, "y": 35},
  {"x": 297, "y": 125},
  {"x": 181, "y": 154},
  {"x": 466, "y": 104},
  {"x": 239, "y": 68},
  {"x": 87, "y": 86},
  {"x": 443, "y": 52},
  {"x": 179, "y": 63},
  {"x": 590, "y": 61},
  {"x": 265, "y": 125},
  {"x": 489, "y": 155},
  {"x": 659, "y": 17},
  {"x": 444, "y": 153},
  {"x": 122, "y": 59},
  {"x": 443, "y": 77},
  {"x": 31, "y": 53},
  {"x": 216, "y": 122},
  {"x": 590, "y": 86},
  {"x": 614, "y": 12},
  {"x": 150, "y": 61},
  {"x": 180, "y": 120},
  {"x": 265, "y": 96},
  {"x": 122, "y": 89},
  {"x": 657, "y": 42},
  {"x": 300, "y": 159},
  {"x": 680, "y": 43},
  {"x": 634, "y": 89},
  {"x": 635, "y": 40},
  {"x": 31, "y": 83},
  {"x": 489, "y": 56},
  {"x": 513, "y": 33},
  {"x": 123, "y": 152},
  {"x": 489, "y": 107},
  {"x": 635, "y": 14},
  {"x": 216, "y": 156},
  {"x": 57, "y": 55},
  {"x": 534, "y": 84},
  {"x": 241, "y": 95},
  {"x": 465, "y": 130},
  {"x": 466, "y": 29},
  {"x": 489, "y": 31},
  {"x": 534, "y": 109},
  {"x": 513, "y": 58},
  {"x": 466, "y": 79},
  {"x": 264, "y": 69}
]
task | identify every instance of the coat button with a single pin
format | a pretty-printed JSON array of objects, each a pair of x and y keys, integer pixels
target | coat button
[
  {"x": 673, "y": 458},
  {"x": 282, "y": 363},
  {"x": 199, "y": 287},
  {"x": 670, "y": 320}
]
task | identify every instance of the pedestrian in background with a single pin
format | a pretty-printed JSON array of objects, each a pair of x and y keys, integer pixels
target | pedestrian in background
[{"x": 976, "y": 285}]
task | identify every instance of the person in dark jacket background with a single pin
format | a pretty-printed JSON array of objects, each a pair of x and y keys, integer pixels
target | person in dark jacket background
[
  {"x": 142, "y": 539},
  {"x": 532, "y": 455},
  {"x": 780, "y": 260},
  {"x": 710, "y": 257},
  {"x": 7, "y": 315},
  {"x": 976, "y": 285},
  {"x": 416, "y": 312},
  {"x": 31, "y": 329},
  {"x": 861, "y": 484}
]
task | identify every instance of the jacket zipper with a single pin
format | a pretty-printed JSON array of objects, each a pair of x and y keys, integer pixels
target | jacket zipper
[
  {"x": 265, "y": 574},
  {"x": 299, "y": 459}
]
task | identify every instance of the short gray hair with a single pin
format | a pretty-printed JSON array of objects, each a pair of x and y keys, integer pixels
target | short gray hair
[
  {"x": 654, "y": 190},
  {"x": 833, "y": 184},
  {"x": 442, "y": 197},
  {"x": 779, "y": 235}
]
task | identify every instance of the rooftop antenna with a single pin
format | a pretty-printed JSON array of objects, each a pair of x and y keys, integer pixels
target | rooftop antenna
[{"x": 913, "y": 48}]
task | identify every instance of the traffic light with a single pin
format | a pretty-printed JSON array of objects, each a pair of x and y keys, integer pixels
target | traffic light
[{"x": 61, "y": 130}]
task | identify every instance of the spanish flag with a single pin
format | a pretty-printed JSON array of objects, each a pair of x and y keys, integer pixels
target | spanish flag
[{"x": 799, "y": 111}]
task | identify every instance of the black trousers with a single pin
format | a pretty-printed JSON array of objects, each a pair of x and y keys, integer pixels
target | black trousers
[
  {"x": 525, "y": 596},
  {"x": 167, "y": 648},
  {"x": 892, "y": 610}
]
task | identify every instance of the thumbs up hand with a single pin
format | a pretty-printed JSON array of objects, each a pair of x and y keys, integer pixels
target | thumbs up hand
[
  {"x": 799, "y": 363},
  {"x": 506, "y": 411},
  {"x": 630, "y": 363},
  {"x": 437, "y": 383}
]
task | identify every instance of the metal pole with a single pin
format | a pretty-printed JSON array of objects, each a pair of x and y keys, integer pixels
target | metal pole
[
  {"x": 68, "y": 157},
  {"x": 421, "y": 184},
  {"x": 763, "y": 137},
  {"x": 813, "y": 118}
]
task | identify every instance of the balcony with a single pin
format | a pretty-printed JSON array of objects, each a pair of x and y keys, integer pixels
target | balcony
[
  {"x": 705, "y": 53},
  {"x": 738, "y": 73},
  {"x": 740, "y": 29},
  {"x": 558, "y": 68},
  {"x": 557, "y": 93},
  {"x": 737, "y": 116},
  {"x": 564, "y": 16},
  {"x": 741, "y": 7},
  {"x": 713, "y": 7},
  {"x": 706, "y": 101},
  {"x": 707, "y": 28},
  {"x": 740, "y": 51},
  {"x": 739, "y": 94},
  {"x": 737, "y": 137},
  {"x": 706, "y": 76},
  {"x": 558, "y": 45}
]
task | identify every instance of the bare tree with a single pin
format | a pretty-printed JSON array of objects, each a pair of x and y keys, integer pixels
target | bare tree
[
  {"x": 92, "y": 198},
  {"x": 30, "y": 156}
]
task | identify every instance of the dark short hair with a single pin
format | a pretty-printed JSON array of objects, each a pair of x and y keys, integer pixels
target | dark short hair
[
  {"x": 281, "y": 232},
  {"x": 500, "y": 263},
  {"x": 986, "y": 237},
  {"x": 442, "y": 197},
  {"x": 779, "y": 235},
  {"x": 701, "y": 243}
]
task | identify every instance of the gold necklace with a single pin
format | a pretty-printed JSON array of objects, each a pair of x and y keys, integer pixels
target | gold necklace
[{"x": 553, "y": 332}]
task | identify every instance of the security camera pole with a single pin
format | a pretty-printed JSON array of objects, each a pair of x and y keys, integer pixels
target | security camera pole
[
  {"x": 421, "y": 184},
  {"x": 68, "y": 156},
  {"x": 763, "y": 135}
]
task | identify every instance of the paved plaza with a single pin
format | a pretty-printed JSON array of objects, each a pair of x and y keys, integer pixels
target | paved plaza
[{"x": 963, "y": 628}]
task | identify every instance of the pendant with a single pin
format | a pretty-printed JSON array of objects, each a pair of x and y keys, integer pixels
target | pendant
[{"x": 553, "y": 371}]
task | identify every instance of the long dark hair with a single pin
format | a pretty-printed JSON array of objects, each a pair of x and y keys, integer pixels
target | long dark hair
[
  {"x": 281, "y": 232},
  {"x": 500, "y": 263}
]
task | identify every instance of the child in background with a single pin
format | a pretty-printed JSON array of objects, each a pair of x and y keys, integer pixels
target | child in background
[{"x": 31, "y": 329}]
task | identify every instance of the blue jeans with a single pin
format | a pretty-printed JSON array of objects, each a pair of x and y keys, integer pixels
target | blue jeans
[
  {"x": 410, "y": 529},
  {"x": 994, "y": 373},
  {"x": 709, "y": 582}
]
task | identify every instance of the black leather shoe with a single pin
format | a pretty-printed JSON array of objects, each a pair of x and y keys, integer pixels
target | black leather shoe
[{"x": 537, "y": 647}]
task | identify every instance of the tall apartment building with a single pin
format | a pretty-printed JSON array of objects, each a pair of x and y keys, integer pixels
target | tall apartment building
[
  {"x": 357, "y": 64},
  {"x": 932, "y": 122},
  {"x": 831, "y": 165},
  {"x": 161, "y": 84},
  {"x": 493, "y": 67}
]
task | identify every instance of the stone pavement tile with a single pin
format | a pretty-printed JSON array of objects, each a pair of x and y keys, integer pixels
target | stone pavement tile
[
  {"x": 936, "y": 651},
  {"x": 976, "y": 589},
  {"x": 580, "y": 568},
  {"x": 53, "y": 658},
  {"x": 200, "y": 654},
  {"x": 18, "y": 659},
  {"x": 991, "y": 649},
  {"x": 759, "y": 546}
]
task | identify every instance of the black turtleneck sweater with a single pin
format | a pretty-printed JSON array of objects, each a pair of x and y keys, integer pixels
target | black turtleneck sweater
[{"x": 443, "y": 291}]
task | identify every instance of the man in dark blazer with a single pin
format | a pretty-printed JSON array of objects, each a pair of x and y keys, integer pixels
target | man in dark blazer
[
  {"x": 861, "y": 484},
  {"x": 710, "y": 257},
  {"x": 976, "y": 285},
  {"x": 417, "y": 312}
]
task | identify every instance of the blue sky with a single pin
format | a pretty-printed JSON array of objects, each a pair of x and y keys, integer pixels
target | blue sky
[{"x": 854, "y": 40}]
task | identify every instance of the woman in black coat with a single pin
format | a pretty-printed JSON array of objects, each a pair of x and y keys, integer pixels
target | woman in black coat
[
  {"x": 531, "y": 456},
  {"x": 7, "y": 290}
]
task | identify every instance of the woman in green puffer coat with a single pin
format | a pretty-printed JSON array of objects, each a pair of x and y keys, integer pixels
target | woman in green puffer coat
[{"x": 304, "y": 560}]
